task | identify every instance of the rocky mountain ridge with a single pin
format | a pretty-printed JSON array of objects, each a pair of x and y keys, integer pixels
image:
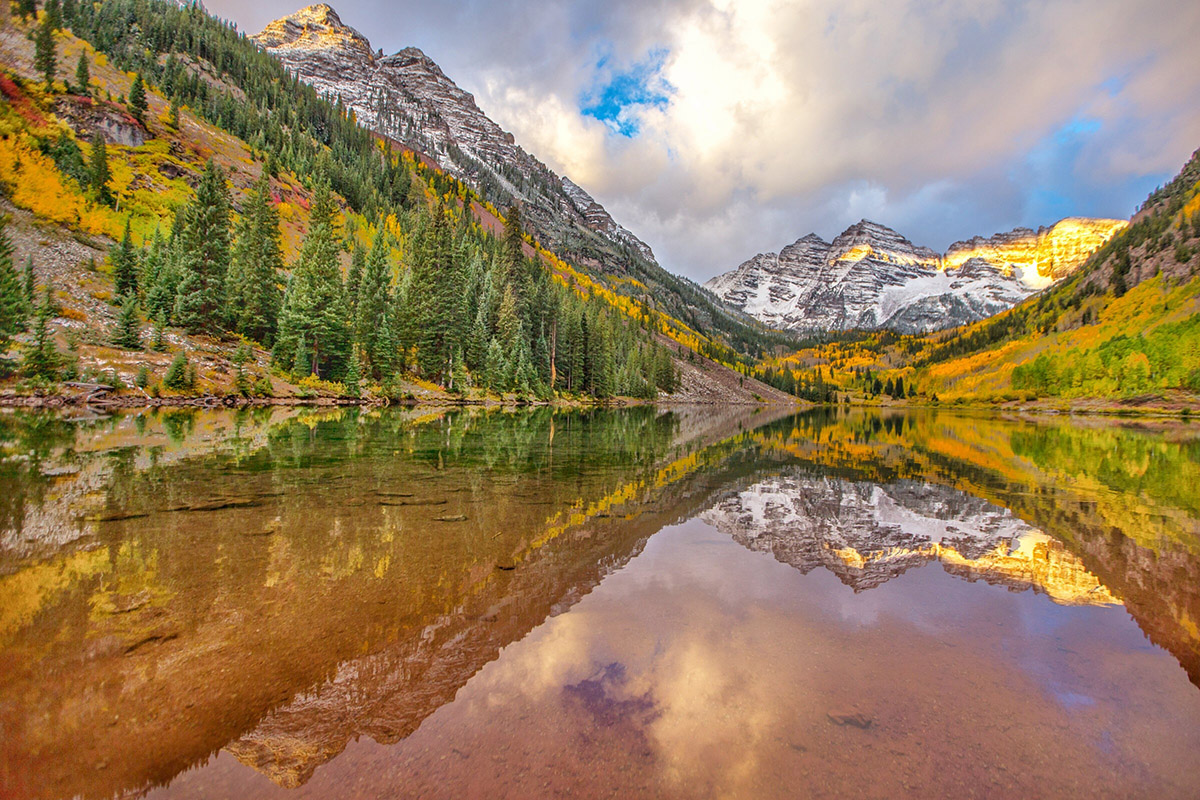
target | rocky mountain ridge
[
  {"x": 407, "y": 97},
  {"x": 866, "y": 534},
  {"x": 871, "y": 277}
]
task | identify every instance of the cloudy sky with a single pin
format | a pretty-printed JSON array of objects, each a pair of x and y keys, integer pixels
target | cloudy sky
[{"x": 717, "y": 129}]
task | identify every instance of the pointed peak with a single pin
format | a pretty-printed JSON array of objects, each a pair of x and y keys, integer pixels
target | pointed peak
[{"x": 316, "y": 27}]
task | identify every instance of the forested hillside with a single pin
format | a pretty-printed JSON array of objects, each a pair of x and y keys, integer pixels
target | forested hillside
[
  {"x": 1125, "y": 328},
  {"x": 243, "y": 205}
]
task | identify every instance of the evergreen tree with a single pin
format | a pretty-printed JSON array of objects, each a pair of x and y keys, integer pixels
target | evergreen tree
[
  {"x": 83, "y": 76},
  {"x": 158, "y": 335},
  {"x": 437, "y": 293},
  {"x": 204, "y": 255},
  {"x": 45, "y": 59},
  {"x": 374, "y": 299},
  {"x": 27, "y": 8},
  {"x": 173, "y": 115},
  {"x": 513, "y": 253},
  {"x": 257, "y": 263},
  {"x": 124, "y": 265},
  {"x": 177, "y": 376},
  {"x": 41, "y": 358},
  {"x": 128, "y": 333},
  {"x": 353, "y": 376},
  {"x": 358, "y": 263},
  {"x": 14, "y": 305},
  {"x": 313, "y": 308},
  {"x": 98, "y": 173},
  {"x": 240, "y": 356},
  {"x": 54, "y": 14},
  {"x": 137, "y": 99}
]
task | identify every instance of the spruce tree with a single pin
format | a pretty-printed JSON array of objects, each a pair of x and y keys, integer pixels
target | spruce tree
[
  {"x": 513, "y": 252},
  {"x": 204, "y": 255},
  {"x": 374, "y": 300},
  {"x": 45, "y": 58},
  {"x": 173, "y": 113},
  {"x": 137, "y": 99},
  {"x": 158, "y": 336},
  {"x": 41, "y": 358},
  {"x": 14, "y": 305},
  {"x": 83, "y": 76},
  {"x": 27, "y": 8},
  {"x": 257, "y": 262},
  {"x": 313, "y": 309},
  {"x": 124, "y": 265},
  {"x": 54, "y": 14},
  {"x": 128, "y": 332},
  {"x": 98, "y": 173},
  {"x": 177, "y": 376},
  {"x": 437, "y": 291}
]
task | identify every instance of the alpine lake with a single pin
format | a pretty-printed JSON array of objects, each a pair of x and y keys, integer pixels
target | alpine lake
[{"x": 641, "y": 602}]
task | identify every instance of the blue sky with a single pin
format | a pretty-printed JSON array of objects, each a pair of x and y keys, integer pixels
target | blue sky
[{"x": 717, "y": 129}]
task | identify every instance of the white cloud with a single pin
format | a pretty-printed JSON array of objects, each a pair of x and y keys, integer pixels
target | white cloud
[{"x": 796, "y": 116}]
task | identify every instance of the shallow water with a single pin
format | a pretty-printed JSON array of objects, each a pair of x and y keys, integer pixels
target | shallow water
[{"x": 684, "y": 603}]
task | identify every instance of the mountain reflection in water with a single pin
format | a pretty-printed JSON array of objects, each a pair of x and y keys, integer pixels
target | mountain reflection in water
[{"x": 367, "y": 591}]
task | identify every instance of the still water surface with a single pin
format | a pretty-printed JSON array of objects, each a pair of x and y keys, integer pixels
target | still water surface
[{"x": 657, "y": 603}]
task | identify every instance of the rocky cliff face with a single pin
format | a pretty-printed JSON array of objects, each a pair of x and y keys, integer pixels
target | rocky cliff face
[
  {"x": 407, "y": 97},
  {"x": 867, "y": 534},
  {"x": 871, "y": 277}
]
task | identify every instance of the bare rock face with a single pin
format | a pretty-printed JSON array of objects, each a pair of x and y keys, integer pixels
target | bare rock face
[
  {"x": 866, "y": 534},
  {"x": 407, "y": 97},
  {"x": 87, "y": 117},
  {"x": 871, "y": 277}
]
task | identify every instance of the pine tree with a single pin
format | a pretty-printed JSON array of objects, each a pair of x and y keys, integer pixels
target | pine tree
[
  {"x": 54, "y": 14},
  {"x": 98, "y": 173},
  {"x": 83, "y": 76},
  {"x": 204, "y": 255},
  {"x": 128, "y": 332},
  {"x": 495, "y": 365},
  {"x": 173, "y": 114},
  {"x": 124, "y": 265},
  {"x": 41, "y": 358},
  {"x": 358, "y": 263},
  {"x": 14, "y": 305},
  {"x": 513, "y": 252},
  {"x": 257, "y": 262},
  {"x": 313, "y": 306},
  {"x": 177, "y": 376},
  {"x": 137, "y": 99},
  {"x": 158, "y": 335},
  {"x": 27, "y": 8},
  {"x": 437, "y": 290},
  {"x": 374, "y": 300},
  {"x": 240, "y": 356},
  {"x": 45, "y": 59},
  {"x": 353, "y": 376},
  {"x": 30, "y": 284}
]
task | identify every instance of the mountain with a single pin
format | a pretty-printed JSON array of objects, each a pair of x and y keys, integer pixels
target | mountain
[
  {"x": 871, "y": 277},
  {"x": 866, "y": 534},
  {"x": 407, "y": 97}
]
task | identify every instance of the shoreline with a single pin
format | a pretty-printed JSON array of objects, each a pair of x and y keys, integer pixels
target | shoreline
[{"x": 1093, "y": 408}]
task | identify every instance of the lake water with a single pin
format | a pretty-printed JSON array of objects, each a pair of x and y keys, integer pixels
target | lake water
[{"x": 629, "y": 603}]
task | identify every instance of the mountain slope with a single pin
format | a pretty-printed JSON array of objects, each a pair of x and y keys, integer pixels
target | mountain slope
[
  {"x": 407, "y": 97},
  {"x": 871, "y": 277}
]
